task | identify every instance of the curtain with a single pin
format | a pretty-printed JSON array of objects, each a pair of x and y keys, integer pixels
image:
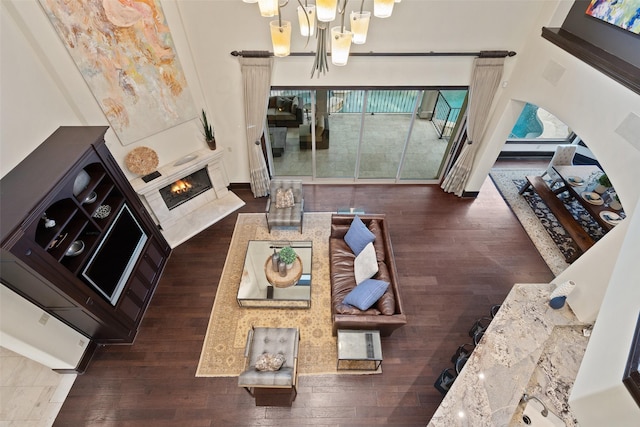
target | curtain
[
  {"x": 485, "y": 79},
  {"x": 256, "y": 80}
]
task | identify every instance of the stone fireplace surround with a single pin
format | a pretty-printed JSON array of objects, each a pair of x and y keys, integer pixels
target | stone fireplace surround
[{"x": 189, "y": 218}]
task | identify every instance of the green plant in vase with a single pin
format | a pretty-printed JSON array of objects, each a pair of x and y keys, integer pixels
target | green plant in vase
[
  {"x": 603, "y": 183},
  {"x": 287, "y": 255},
  {"x": 604, "y": 180},
  {"x": 207, "y": 131}
]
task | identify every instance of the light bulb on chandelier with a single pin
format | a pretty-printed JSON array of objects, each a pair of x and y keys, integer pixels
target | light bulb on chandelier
[
  {"x": 383, "y": 8},
  {"x": 314, "y": 19},
  {"x": 268, "y": 8},
  {"x": 307, "y": 20}
]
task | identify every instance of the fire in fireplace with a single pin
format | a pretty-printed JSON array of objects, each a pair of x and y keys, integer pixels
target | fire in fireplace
[
  {"x": 181, "y": 186},
  {"x": 186, "y": 188}
]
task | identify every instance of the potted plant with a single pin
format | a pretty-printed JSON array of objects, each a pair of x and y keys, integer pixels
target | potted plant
[
  {"x": 288, "y": 256},
  {"x": 604, "y": 180},
  {"x": 603, "y": 184},
  {"x": 207, "y": 131},
  {"x": 615, "y": 203}
]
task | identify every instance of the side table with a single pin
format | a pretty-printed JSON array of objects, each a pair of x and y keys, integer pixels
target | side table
[
  {"x": 291, "y": 278},
  {"x": 359, "y": 346}
]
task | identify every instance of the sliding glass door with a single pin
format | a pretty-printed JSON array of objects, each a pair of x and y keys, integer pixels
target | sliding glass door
[{"x": 363, "y": 135}]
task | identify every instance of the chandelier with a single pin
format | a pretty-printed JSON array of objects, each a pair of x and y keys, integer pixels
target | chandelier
[{"x": 316, "y": 20}]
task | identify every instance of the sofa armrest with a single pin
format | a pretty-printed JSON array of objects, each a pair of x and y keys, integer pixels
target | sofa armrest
[{"x": 299, "y": 116}]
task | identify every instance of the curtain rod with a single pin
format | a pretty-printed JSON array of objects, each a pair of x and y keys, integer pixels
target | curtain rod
[{"x": 481, "y": 54}]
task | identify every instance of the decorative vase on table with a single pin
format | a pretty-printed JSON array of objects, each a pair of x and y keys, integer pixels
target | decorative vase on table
[
  {"x": 560, "y": 294},
  {"x": 282, "y": 268},
  {"x": 275, "y": 259},
  {"x": 211, "y": 143}
]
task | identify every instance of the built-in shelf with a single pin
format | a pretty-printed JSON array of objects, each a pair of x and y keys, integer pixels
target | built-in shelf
[{"x": 603, "y": 61}]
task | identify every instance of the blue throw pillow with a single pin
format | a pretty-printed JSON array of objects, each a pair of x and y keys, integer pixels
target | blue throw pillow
[
  {"x": 358, "y": 236},
  {"x": 366, "y": 293}
]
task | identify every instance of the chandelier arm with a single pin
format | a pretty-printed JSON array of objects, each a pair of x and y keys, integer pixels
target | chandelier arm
[
  {"x": 342, "y": 13},
  {"x": 317, "y": 55},
  {"x": 279, "y": 18},
  {"x": 286, "y": 2},
  {"x": 319, "y": 48},
  {"x": 325, "y": 61},
  {"x": 320, "y": 63}
]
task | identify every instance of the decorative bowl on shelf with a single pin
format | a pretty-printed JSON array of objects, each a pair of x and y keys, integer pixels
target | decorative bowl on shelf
[
  {"x": 90, "y": 198},
  {"x": 76, "y": 248}
]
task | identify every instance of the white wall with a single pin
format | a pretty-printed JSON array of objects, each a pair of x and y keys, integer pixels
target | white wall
[
  {"x": 42, "y": 89},
  {"x": 593, "y": 106},
  {"x": 25, "y": 332},
  {"x": 599, "y": 382}
]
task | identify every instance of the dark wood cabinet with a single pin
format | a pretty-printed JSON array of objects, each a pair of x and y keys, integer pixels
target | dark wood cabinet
[{"x": 70, "y": 189}]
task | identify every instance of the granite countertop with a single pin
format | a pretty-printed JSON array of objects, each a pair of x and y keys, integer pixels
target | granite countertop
[{"x": 528, "y": 348}]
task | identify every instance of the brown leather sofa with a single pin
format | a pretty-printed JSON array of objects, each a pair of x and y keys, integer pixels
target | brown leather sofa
[{"x": 386, "y": 315}]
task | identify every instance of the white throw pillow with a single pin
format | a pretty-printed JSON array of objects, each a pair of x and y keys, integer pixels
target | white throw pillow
[{"x": 365, "y": 265}]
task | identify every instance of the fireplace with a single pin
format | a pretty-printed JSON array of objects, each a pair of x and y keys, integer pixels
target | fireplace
[
  {"x": 189, "y": 195},
  {"x": 186, "y": 188}
]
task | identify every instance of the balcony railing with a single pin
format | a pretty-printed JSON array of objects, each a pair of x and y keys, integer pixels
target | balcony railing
[
  {"x": 444, "y": 117},
  {"x": 351, "y": 101},
  {"x": 383, "y": 101}
]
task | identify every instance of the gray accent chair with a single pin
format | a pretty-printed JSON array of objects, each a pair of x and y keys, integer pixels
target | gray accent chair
[
  {"x": 271, "y": 388},
  {"x": 285, "y": 217}
]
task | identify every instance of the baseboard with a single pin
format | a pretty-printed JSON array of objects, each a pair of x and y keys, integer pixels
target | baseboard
[
  {"x": 240, "y": 186},
  {"x": 82, "y": 365}
]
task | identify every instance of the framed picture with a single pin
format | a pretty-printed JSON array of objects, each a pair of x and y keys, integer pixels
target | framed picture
[
  {"x": 621, "y": 13},
  {"x": 631, "y": 377}
]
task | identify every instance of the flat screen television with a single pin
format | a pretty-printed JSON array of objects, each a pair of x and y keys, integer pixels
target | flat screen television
[{"x": 113, "y": 261}]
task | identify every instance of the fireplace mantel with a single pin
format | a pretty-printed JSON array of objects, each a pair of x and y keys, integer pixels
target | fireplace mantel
[{"x": 188, "y": 219}]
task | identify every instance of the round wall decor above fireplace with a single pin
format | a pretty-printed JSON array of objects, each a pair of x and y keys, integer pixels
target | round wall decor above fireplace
[{"x": 142, "y": 160}]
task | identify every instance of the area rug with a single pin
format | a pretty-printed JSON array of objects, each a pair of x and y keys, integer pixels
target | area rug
[
  {"x": 509, "y": 181},
  {"x": 223, "y": 348},
  {"x": 549, "y": 250}
]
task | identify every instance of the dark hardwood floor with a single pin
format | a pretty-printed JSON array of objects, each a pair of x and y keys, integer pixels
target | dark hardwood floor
[{"x": 455, "y": 258}]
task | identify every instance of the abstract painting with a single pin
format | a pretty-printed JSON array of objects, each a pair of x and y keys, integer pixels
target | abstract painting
[
  {"x": 125, "y": 53},
  {"x": 621, "y": 13}
]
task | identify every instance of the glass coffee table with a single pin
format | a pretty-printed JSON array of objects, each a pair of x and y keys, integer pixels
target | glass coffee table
[{"x": 261, "y": 287}]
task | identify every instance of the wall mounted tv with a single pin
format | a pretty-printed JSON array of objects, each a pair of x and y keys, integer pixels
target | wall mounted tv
[{"x": 111, "y": 264}]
